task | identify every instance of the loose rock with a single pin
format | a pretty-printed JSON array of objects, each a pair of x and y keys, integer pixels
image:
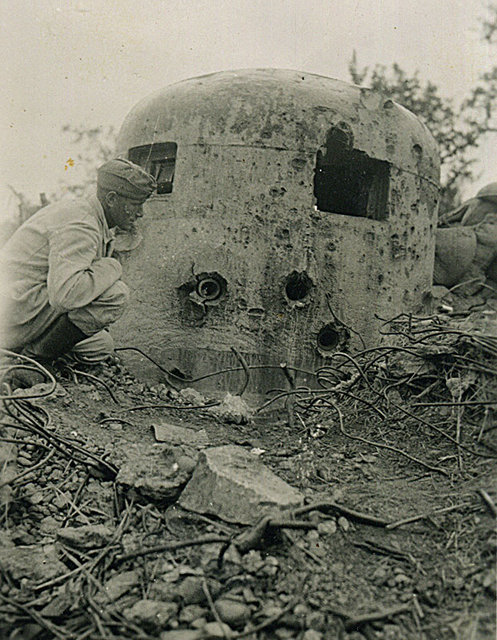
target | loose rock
[
  {"x": 312, "y": 634},
  {"x": 154, "y": 473},
  {"x": 8, "y": 469},
  {"x": 61, "y": 500},
  {"x": 327, "y": 528},
  {"x": 343, "y": 523},
  {"x": 233, "y": 612},
  {"x": 191, "y": 612},
  {"x": 58, "y": 606},
  {"x": 151, "y": 614},
  {"x": 185, "y": 634},
  {"x": 31, "y": 562},
  {"x": 177, "y": 435},
  {"x": 235, "y": 486},
  {"x": 192, "y": 396},
  {"x": 233, "y": 409},
  {"x": 216, "y": 630},
  {"x": 191, "y": 591},
  {"x": 49, "y": 525},
  {"x": 86, "y": 537},
  {"x": 36, "y": 498},
  {"x": 118, "y": 585}
]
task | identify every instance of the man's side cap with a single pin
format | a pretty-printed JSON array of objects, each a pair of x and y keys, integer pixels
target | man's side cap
[{"x": 126, "y": 178}]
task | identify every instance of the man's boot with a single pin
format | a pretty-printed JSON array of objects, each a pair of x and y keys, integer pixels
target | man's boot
[{"x": 60, "y": 337}]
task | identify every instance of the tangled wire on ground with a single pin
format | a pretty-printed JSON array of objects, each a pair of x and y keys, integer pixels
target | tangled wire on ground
[
  {"x": 429, "y": 365},
  {"x": 434, "y": 374},
  {"x": 19, "y": 413},
  {"x": 432, "y": 369}
]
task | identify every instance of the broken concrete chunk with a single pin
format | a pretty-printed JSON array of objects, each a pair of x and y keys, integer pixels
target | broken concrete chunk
[
  {"x": 233, "y": 409},
  {"x": 118, "y": 585},
  {"x": 57, "y": 606},
  {"x": 192, "y": 396},
  {"x": 89, "y": 536},
  {"x": 33, "y": 562},
  {"x": 176, "y": 434},
  {"x": 155, "y": 473},
  {"x": 236, "y": 486},
  {"x": 182, "y": 634},
  {"x": 49, "y": 525},
  {"x": 162, "y": 590},
  {"x": 153, "y": 615},
  {"x": 327, "y": 528}
]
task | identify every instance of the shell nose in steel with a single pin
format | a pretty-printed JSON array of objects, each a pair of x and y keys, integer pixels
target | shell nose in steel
[{"x": 209, "y": 288}]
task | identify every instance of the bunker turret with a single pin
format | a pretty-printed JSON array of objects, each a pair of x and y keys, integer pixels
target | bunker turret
[{"x": 292, "y": 211}]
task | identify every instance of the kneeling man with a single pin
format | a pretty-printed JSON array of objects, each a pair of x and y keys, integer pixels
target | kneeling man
[{"x": 60, "y": 284}]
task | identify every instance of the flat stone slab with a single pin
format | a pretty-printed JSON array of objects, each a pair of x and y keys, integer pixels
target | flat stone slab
[
  {"x": 236, "y": 486},
  {"x": 177, "y": 435}
]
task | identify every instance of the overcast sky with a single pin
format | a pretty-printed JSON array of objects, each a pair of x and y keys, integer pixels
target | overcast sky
[{"x": 87, "y": 62}]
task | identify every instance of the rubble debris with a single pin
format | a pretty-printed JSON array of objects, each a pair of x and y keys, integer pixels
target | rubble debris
[
  {"x": 327, "y": 528},
  {"x": 90, "y": 536},
  {"x": 192, "y": 396},
  {"x": 152, "y": 615},
  {"x": 118, "y": 585},
  {"x": 234, "y": 612},
  {"x": 178, "y": 435},
  {"x": 182, "y": 634},
  {"x": 8, "y": 469},
  {"x": 354, "y": 622},
  {"x": 233, "y": 409},
  {"x": 440, "y": 367},
  {"x": 236, "y": 486},
  {"x": 156, "y": 473},
  {"x": 58, "y": 606},
  {"x": 312, "y": 634},
  {"x": 191, "y": 612},
  {"x": 191, "y": 590},
  {"x": 343, "y": 523},
  {"x": 34, "y": 563},
  {"x": 214, "y": 630}
]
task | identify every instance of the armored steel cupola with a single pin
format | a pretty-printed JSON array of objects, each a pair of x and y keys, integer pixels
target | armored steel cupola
[{"x": 292, "y": 210}]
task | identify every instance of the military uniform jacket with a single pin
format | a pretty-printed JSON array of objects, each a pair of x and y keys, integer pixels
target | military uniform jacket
[{"x": 58, "y": 259}]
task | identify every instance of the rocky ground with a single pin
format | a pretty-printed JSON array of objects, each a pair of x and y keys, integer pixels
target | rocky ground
[{"x": 121, "y": 520}]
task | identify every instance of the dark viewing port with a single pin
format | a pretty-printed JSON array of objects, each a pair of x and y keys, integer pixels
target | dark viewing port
[
  {"x": 328, "y": 338},
  {"x": 158, "y": 159},
  {"x": 348, "y": 181},
  {"x": 298, "y": 285}
]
